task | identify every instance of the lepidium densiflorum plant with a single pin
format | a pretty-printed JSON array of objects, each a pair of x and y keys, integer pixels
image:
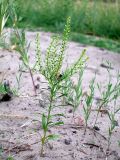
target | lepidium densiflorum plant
[
  {"x": 110, "y": 92},
  {"x": 112, "y": 114},
  {"x": 88, "y": 102},
  {"x": 113, "y": 123},
  {"x": 73, "y": 92},
  {"x": 51, "y": 70},
  {"x": 20, "y": 44},
  {"x": 22, "y": 47}
]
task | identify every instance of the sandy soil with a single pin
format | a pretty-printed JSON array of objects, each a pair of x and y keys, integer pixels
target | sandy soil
[{"x": 20, "y": 118}]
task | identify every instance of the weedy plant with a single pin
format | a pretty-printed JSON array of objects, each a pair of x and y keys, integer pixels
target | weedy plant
[
  {"x": 112, "y": 114},
  {"x": 88, "y": 102},
  {"x": 18, "y": 77},
  {"x": 73, "y": 92},
  {"x": 6, "y": 92},
  {"x": 10, "y": 158},
  {"x": 20, "y": 44},
  {"x": 51, "y": 70},
  {"x": 2, "y": 89},
  {"x": 23, "y": 48},
  {"x": 66, "y": 91},
  {"x": 110, "y": 92},
  {"x": 113, "y": 124}
]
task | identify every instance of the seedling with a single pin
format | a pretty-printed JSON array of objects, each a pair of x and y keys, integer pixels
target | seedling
[
  {"x": 18, "y": 78},
  {"x": 112, "y": 118},
  {"x": 67, "y": 90},
  {"x": 109, "y": 94},
  {"x": 10, "y": 158},
  {"x": 88, "y": 102},
  {"x": 73, "y": 92},
  {"x": 6, "y": 92},
  {"x": 19, "y": 43},
  {"x": 51, "y": 70},
  {"x": 113, "y": 123},
  {"x": 2, "y": 89},
  {"x": 22, "y": 47}
]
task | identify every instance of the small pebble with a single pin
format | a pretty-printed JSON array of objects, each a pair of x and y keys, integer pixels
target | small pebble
[
  {"x": 96, "y": 128},
  {"x": 67, "y": 141},
  {"x": 74, "y": 132},
  {"x": 1, "y": 56},
  {"x": 9, "y": 68},
  {"x": 38, "y": 79},
  {"x": 50, "y": 146},
  {"x": 24, "y": 108},
  {"x": 70, "y": 111},
  {"x": 37, "y": 86}
]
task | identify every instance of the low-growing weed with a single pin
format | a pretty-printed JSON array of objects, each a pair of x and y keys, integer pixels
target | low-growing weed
[
  {"x": 20, "y": 44},
  {"x": 73, "y": 92},
  {"x": 10, "y": 158},
  {"x": 113, "y": 123},
  {"x": 23, "y": 48},
  {"x": 110, "y": 92},
  {"x": 18, "y": 78},
  {"x": 88, "y": 102},
  {"x": 2, "y": 89},
  {"x": 112, "y": 115}
]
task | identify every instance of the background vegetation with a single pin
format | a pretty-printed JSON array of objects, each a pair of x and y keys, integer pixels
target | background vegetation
[{"x": 92, "y": 17}]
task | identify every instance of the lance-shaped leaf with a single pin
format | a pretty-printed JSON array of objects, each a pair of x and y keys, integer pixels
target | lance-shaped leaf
[
  {"x": 52, "y": 137},
  {"x": 44, "y": 122}
]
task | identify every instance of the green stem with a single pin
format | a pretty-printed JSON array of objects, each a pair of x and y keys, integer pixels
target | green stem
[
  {"x": 32, "y": 81},
  {"x": 85, "y": 127},
  {"x": 99, "y": 112},
  {"x": 48, "y": 118},
  {"x": 109, "y": 142}
]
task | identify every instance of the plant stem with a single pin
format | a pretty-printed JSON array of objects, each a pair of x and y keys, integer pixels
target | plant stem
[
  {"x": 99, "y": 112},
  {"x": 48, "y": 118},
  {"x": 30, "y": 71},
  {"x": 109, "y": 142},
  {"x": 85, "y": 127}
]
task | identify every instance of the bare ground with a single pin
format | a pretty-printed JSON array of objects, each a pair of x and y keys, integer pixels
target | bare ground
[{"x": 20, "y": 118}]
